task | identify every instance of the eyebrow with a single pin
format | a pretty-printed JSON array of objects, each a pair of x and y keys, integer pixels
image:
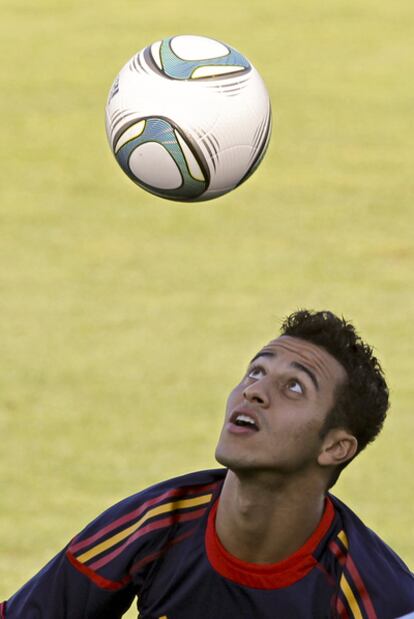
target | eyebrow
[
  {"x": 262, "y": 353},
  {"x": 295, "y": 364},
  {"x": 309, "y": 372}
]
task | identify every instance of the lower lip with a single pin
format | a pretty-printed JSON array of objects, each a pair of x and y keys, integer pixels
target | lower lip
[{"x": 234, "y": 429}]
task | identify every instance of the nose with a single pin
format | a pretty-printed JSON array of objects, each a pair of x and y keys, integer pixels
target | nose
[{"x": 256, "y": 393}]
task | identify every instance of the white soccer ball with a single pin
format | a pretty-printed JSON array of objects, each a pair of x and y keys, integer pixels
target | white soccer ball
[{"x": 188, "y": 118}]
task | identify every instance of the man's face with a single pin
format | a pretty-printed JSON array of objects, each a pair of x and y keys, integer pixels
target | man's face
[{"x": 275, "y": 414}]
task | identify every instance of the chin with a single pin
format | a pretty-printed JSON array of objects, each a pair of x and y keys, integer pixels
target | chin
[
  {"x": 235, "y": 462},
  {"x": 226, "y": 459}
]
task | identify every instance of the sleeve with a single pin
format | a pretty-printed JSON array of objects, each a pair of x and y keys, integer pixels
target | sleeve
[
  {"x": 61, "y": 591},
  {"x": 111, "y": 561},
  {"x": 93, "y": 576}
]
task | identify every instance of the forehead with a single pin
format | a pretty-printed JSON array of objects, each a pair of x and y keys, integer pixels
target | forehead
[{"x": 288, "y": 349}]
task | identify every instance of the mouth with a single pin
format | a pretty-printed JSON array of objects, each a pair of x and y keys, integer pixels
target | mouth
[{"x": 242, "y": 422}]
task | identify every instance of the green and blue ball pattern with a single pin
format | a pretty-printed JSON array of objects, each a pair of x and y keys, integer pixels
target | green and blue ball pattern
[
  {"x": 181, "y": 69},
  {"x": 161, "y": 131}
]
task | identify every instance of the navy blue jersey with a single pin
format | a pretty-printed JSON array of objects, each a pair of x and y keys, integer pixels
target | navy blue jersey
[{"x": 160, "y": 546}]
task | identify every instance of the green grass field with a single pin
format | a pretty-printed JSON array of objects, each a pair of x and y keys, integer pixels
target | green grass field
[{"x": 125, "y": 319}]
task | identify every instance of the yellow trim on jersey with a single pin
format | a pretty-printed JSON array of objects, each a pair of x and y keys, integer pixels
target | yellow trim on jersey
[
  {"x": 343, "y": 538},
  {"x": 161, "y": 509},
  {"x": 350, "y": 598}
]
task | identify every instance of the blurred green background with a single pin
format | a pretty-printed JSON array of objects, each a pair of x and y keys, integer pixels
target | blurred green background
[{"x": 126, "y": 319}]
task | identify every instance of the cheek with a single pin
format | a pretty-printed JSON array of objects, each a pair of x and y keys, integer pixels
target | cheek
[
  {"x": 296, "y": 429},
  {"x": 235, "y": 396},
  {"x": 306, "y": 437}
]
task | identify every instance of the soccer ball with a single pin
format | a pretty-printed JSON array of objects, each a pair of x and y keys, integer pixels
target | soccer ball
[{"x": 188, "y": 118}]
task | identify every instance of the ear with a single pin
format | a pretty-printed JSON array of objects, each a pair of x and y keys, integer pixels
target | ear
[{"x": 338, "y": 447}]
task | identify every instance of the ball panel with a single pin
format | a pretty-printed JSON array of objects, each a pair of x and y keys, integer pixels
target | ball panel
[
  {"x": 153, "y": 165},
  {"x": 260, "y": 150},
  {"x": 155, "y": 54},
  {"x": 192, "y": 163},
  {"x": 114, "y": 89},
  {"x": 190, "y": 47},
  {"x": 180, "y": 69},
  {"x": 133, "y": 132},
  {"x": 214, "y": 71},
  {"x": 155, "y": 160},
  {"x": 238, "y": 134}
]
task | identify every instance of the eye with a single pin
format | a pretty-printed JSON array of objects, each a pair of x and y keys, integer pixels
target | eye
[
  {"x": 295, "y": 386},
  {"x": 256, "y": 372}
]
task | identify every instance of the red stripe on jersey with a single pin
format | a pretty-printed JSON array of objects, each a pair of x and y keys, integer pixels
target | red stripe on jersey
[
  {"x": 327, "y": 575},
  {"x": 3, "y": 610},
  {"x": 341, "y": 557},
  {"x": 103, "y": 583},
  {"x": 362, "y": 590},
  {"x": 347, "y": 561},
  {"x": 265, "y": 576},
  {"x": 157, "y": 524},
  {"x": 174, "y": 492},
  {"x": 341, "y": 609},
  {"x": 339, "y": 554}
]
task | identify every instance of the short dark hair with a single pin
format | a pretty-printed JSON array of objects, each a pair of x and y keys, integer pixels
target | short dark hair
[{"x": 362, "y": 400}]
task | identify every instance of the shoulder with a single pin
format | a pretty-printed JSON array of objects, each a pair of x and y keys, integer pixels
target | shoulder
[
  {"x": 369, "y": 561},
  {"x": 131, "y": 524},
  {"x": 366, "y": 540},
  {"x": 191, "y": 489},
  {"x": 188, "y": 486}
]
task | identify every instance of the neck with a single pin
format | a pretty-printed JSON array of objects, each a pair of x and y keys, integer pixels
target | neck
[{"x": 262, "y": 519}]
